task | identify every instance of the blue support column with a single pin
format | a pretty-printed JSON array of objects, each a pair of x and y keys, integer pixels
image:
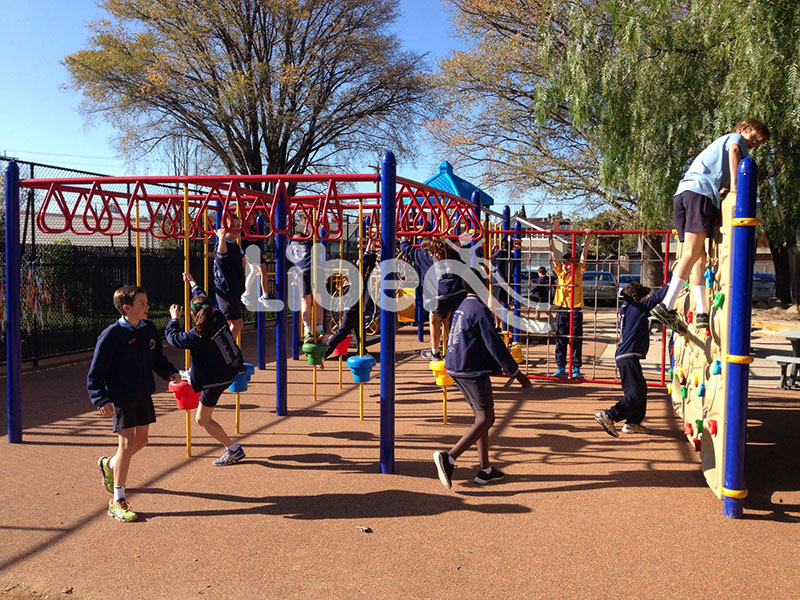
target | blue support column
[
  {"x": 505, "y": 240},
  {"x": 738, "y": 357},
  {"x": 388, "y": 318},
  {"x": 516, "y": 254},
  {"x": 476, "y": 200},
  {"x": 281, "y": 285},
  {"x": 13, "y": 307},
  {"x": 261, "y": 316}
]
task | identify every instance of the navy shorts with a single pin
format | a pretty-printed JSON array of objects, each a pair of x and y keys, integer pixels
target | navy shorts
[
  {"x": 133, "y": 413},
  {"x": 500, "y": 294},
  {"x": 303, "y": 282},
  {"x": 210, "y": 396},
  {"x": 447, "y": 304},
  {"x": 232, "y": 309},
  {"x": 477, "y": 391},
  {"x": 693, "y": 213}
]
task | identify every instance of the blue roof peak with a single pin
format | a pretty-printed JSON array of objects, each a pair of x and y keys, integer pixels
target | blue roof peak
[{"x": 447, "y": 181}]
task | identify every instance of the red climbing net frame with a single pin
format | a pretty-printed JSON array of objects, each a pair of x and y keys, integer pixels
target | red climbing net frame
[
  {"x": 115, "y": 205},
  {"x": 596, "y": 326}
]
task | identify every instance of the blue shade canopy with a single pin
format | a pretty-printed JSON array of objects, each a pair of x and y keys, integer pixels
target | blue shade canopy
[{"x": 449, "y": 182}]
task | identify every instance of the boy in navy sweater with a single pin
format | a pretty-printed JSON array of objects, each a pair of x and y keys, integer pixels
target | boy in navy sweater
[
  {"x": 216, "y": 360},
  {"x": 120, "y": 384},
  {"x": 475, "y": 351},
  {"x": 634, "y": 342},
  {"x": 229, "y": 274}
]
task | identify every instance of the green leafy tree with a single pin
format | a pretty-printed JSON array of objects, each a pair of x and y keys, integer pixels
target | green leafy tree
[
  {"x": 267, "y": 86},
  {"x": 604, "y": 102}
]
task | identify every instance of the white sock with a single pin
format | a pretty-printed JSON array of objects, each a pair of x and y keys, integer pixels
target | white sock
[
  {"x": 233, "y": 447},
  {"x": 119, "y": 493},
  {"x": 306, "y": 329},
  {"x": 487, "y": 470},
  {"x": 111, "y": 462},
  {"x": 675, "y": 287},
  {"x": 450, "y": 458},
  {"x": 699, "y": 293}
]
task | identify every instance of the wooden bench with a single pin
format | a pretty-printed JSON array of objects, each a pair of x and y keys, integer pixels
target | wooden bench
[{"x": 784, "y": 362}]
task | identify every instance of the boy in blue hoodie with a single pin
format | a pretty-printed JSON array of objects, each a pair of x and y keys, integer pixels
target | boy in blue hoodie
[
  {"x": 634, "y": 342},
  {"x": 216, "y": 360},
  {"x": 474, "y": 351},
  {"x": 120, "y": 384}
]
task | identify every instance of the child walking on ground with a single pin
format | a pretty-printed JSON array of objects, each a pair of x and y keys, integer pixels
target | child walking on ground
[
  {"x": 569, "y": 301},
  {"x": 120, "y": 384},
  {"x": 442, "y": 293},
  {"x": 216, "y": 361},
  {"x": 634, "y": 342},
  {"x": 229, "y": 274},
  {"x": 475, "y": 351},
  {"x": 349, "y": 320},
  {"x": 696, "y": 206}
]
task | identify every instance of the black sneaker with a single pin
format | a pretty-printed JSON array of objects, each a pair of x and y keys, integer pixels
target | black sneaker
[
  {"x": 670, "y": 318},
  {"x": 444, "y": 467},
  {"x": 482, "y": 478},
  {"x": 429, "y": 354},
  {"x": 701, "y": 320}
]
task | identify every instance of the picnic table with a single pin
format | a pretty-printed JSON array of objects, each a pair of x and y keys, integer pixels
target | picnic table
[{"x": 788, "y": 378}]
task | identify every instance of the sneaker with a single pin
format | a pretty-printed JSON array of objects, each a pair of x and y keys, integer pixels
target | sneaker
[
  {"x": 670, "y": 318},
  {"x": 701, "y": 320},
  {"x": 482, "y": 478},
  {"x": 263, "y": 300},
  {"x": 607, "y": 423},
  {"x": 108, "y": 473},
  {"x": 576, "y": 373},
  {"x": 246, "y": 300},
  {"x": 429, "y": 354},
  {"x": 634, "y": 428},
  {"x": 444, "y": 467},
  {"x": 229, "y": 458},
  {"x": 121, "y": 510},
  {"x": 561, "y": 373},
  {"x": 309, "y": 338}
]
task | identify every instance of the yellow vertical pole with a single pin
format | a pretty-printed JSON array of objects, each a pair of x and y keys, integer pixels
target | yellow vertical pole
[
  {"x": 138, "y": 249},
  {"x": 444, "y": 405},
  {"x": 186, "y": 355},
  {"x": 361, "y": 302},
  {"x": 189, "y": 433}
]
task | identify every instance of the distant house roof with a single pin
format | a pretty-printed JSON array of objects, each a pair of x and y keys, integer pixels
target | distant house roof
[{"x": 449, "y": 182}]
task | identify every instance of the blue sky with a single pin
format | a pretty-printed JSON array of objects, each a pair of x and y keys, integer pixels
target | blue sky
[{"x": 40, "y": 121}]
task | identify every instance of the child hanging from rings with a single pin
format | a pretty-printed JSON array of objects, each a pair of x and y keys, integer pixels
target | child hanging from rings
[
  {"x": 216, "y": 360},
  {"x": 634, "y": 342},
  {"x": 442, "y": 291},
  {"x": 349, "y": 319}
]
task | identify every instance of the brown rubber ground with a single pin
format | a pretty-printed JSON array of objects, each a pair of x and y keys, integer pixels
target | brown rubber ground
[{"x": 579, "y": 515}]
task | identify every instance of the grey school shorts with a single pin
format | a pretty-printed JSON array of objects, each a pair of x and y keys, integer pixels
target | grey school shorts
[{"x": 477, "y": 391}]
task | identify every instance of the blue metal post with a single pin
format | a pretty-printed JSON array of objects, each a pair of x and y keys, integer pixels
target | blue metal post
[
  {"x": 261, "y": 316},
  {"x": 388, "y": 318},
  {"x": 476, "y": 200},
  {"x": 281, "y": 284},
  {"x": 515, "y": 275},
  {"x": 738, "y": 357},
  {"x": 503, "y": 269},
  {"x": 13, "y": 307}
]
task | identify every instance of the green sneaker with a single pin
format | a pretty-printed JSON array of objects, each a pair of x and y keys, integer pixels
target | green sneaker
[
  {"x": 108, "y": 473},
  {"x": 670, "y": 318},
  {"x": 121, "y": 511}
]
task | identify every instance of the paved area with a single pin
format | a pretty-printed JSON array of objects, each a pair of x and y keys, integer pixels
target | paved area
[{"x": 580, "y": 514}]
